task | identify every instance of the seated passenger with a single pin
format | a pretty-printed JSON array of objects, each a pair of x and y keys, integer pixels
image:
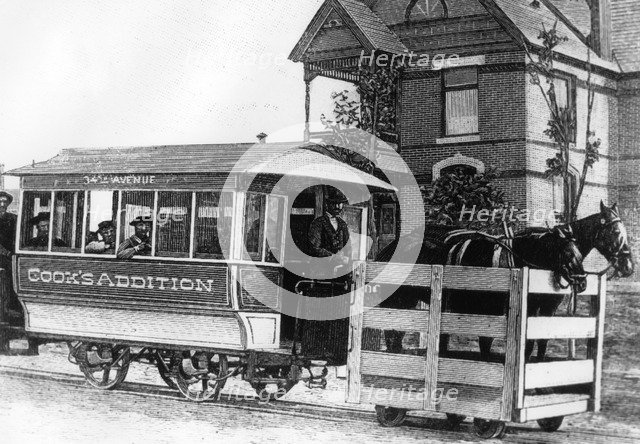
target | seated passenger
[
  {"x": 103, "y": 240},
  {"x": 140, "y": 242},
  {"x": 41, "y": 241}
]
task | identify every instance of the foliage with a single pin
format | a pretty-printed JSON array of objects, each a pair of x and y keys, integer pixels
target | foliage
[
  {"x": 373, "y": 113},
  {"x": 457, "y": 191},
  {"x": 561, "y": 127}
]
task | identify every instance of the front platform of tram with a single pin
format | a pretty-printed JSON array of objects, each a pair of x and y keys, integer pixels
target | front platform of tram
[{"x": 12, "y": 332}]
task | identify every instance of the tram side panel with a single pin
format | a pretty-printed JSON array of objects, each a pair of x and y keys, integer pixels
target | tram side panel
[{"x": 140, "y": 302}]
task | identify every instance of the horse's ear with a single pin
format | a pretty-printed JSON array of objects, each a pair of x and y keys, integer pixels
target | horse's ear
[{"x": 603, "y": 208}]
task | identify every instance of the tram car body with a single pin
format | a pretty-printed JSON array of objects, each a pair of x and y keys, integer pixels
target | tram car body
[{"x": 196, "y": 287}]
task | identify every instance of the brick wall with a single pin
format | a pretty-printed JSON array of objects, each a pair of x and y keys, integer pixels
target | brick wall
[{"x": 629, "y": 164}]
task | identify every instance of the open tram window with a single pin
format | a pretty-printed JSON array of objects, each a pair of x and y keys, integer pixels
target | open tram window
[
  {"x": 135, "y": 204},
  {"x": 213, "y": 225},
  {"x": 173, "y": 224},
  {"x": 34, "y": 230},
  {"x": 254, "y": 222},
  {"x": 102, "y": 207},
  {"x": 274, "y": 221},
  {"x": 68, "y": 212}
]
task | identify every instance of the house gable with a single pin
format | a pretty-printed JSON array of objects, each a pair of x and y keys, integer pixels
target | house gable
[{"x": 327, "y": 32}]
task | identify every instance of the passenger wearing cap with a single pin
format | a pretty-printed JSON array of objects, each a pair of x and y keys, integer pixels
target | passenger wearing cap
[
  {"x": 140, "y": 242},
  {"x": 329, "y": 234},
  {"x": 8, "y": 222},
  {"x": 41, "y": 241},
  {"x": 103, "y": 240}
]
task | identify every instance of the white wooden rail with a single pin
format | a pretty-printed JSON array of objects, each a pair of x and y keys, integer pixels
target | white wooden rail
[{"x": 488, "y": 390}]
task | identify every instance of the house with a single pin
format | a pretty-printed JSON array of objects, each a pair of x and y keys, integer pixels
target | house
[{"x": 471, "y": 103}]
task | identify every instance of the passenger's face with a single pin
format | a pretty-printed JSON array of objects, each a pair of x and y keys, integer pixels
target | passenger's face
[
  {"x": 43, "y": 228},
  {"x": 143, "y": 229},
  {"x": 4, "y": 204},
  {"x": 108, "y": 234}
]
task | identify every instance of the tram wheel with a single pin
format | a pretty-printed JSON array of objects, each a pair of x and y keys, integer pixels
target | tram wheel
[
  {"x": 551, "y": 424},
  {"x": 390, "y": 416},
  {"x": 104, "y": 376},
  {"x": 210, "y": 377},
  {"x": 489, "y": 429},
  {"x": 454, "y": 421}
]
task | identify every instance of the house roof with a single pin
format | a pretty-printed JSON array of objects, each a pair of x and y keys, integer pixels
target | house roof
[
  {"x": 372, "y": 33},
  {"x": 528, "y": 21},
  {"x": 578, "y": 13},
  {"x": 523, "y": 21},
  {"x": 625, "y": 17}
]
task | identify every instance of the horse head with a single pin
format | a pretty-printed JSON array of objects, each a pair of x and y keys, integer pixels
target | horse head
[
  {"x": 612, "y": 242},
  {"x": 569, "y": 259}
]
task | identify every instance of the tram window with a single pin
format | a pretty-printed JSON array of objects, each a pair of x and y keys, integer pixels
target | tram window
[
  {"x": 68, "y": 211},
  {"x": 213, "y": 225},
  {"x": 274, "y": 220},
  {"x": 34, "y": 232},
  {"x": 102, "y": 207},
  {"x": 254, "y": 210},
  {"x": 173, "y": 224},
  {"x": 134, "y": 204}
]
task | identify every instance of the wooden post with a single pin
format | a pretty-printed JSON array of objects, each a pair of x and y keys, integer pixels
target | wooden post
[
  {"x": 433, "y": 339},
  {"x": 595, "y": 345},
  {"x": 307, "y": 101},
  {"x": 354, "y": 377},
  {"x": 521, "y": 338},
  {"x": 514, "y": 319},
  {"x": 571, "y": 311}
]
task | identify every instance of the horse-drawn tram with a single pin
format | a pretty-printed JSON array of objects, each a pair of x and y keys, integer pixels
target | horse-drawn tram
[{"x": 159, "y": 255}]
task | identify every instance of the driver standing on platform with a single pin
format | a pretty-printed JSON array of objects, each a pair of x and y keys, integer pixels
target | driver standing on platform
[
  {"x": 7, "y": 247},
  {"x": 328, "y": 236},
  {"x": 329, "y": 233}
]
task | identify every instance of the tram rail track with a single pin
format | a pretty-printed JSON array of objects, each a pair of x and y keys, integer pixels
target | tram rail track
[{"x": 433, "y": 427}]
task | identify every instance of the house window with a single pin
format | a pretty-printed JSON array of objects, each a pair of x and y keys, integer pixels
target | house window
[
  {"x": 459, "y": 170},
  {"x": 564, "y": 194},
  {"x": 213, "y": 225},
  {"x": 461, "y": 101},
  {"x": 564, "y": 87}
]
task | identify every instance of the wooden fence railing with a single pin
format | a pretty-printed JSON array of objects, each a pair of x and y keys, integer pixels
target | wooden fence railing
[{"x": 503, "y": 389}]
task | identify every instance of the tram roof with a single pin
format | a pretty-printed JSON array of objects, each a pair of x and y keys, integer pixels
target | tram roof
[{"x": 273, "y": 158}]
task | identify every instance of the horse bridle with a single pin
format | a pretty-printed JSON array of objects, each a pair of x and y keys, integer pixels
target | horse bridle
[
  {"x": 570, "y": 278},
  {"x": 614, "y": 257}
]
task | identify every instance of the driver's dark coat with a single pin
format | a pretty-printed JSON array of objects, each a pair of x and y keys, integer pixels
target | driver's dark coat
[
  {"x": 324, "y": 240},
  {"x": 8, "y": 231}
]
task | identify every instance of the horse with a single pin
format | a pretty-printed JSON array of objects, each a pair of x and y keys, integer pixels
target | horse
[
  {"x": 445, "y": 245},
  {"x": 571, "y": 242}
]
